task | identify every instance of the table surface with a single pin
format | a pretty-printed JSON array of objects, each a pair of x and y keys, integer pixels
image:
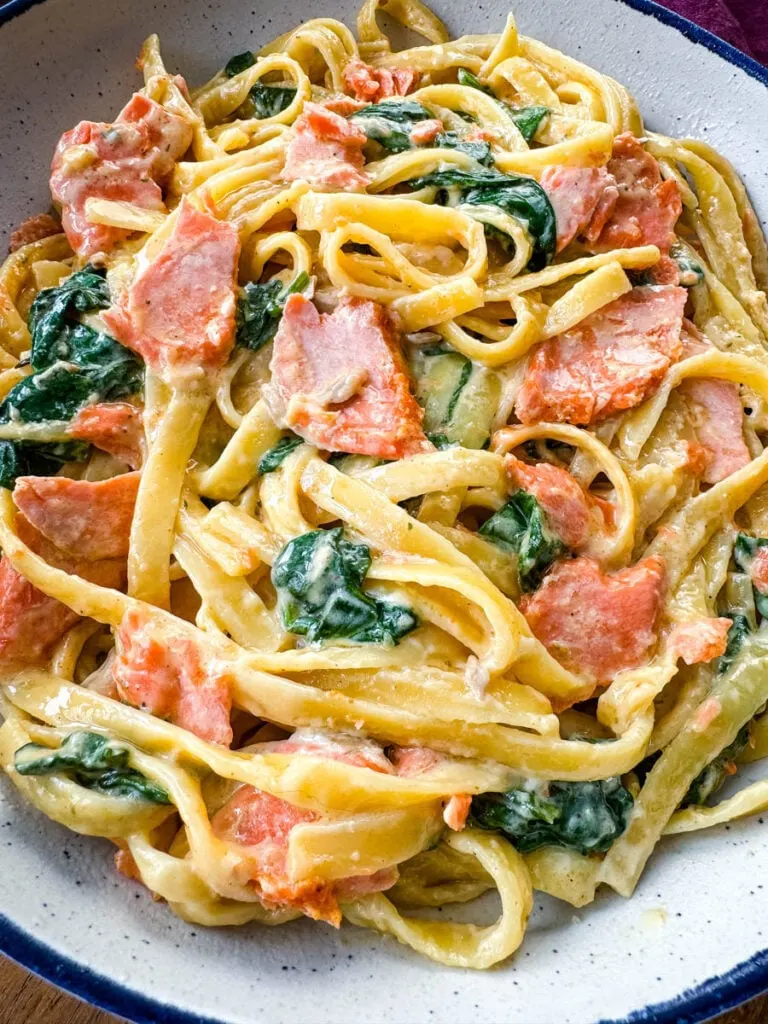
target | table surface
[{"x": 25, "y": 999}]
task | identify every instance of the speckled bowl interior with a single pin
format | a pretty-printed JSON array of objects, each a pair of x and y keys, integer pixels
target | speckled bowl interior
[{"x": 690, "y": 942}]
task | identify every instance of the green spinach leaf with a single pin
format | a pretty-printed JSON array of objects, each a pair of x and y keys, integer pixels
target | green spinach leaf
[
  {"x": 441, "y": 442},
  {"x": 391, "y": 124},
  {"x": 59, "y": 392},
  {"x": 583, "y": 816},
  {"x": 519, "y": 196},
  {"x": 260, "y": 308},
  {"x": 745, "y": 548},
  {"x": 473, "y": 82},
  {"x": 240, "y": 62},
  {"x": 527, "y": 119},
  {"x": 710, "y": 779},
  {"x": 92, "y": 761},
  {"x": 53, "y": 308},
  {"x": 521, "y": 527},
  {"x": 26, "y": 458},
  {"x": 74, "y": 365},
  {"x": 737, "y": 634},
  {"x": 267, "y": 100},
  {"x": 278, "y": 453},
  {"x": 264, "y": 99},
  {"x": 318, "y": 578},
  {"x": 405, "y": 112},
  {"x": 479, "y": 151},
  {"x": 691, "y": 271}
]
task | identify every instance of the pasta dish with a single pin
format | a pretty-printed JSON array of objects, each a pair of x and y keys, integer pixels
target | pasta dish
[{"x": 383, "y": 494}]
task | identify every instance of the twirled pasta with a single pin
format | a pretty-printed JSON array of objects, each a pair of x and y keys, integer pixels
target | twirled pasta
[{"x": 467, "y": 193}]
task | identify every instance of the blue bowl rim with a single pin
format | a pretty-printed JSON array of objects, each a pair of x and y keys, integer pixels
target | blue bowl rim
[{"x": 713, "y": 996}]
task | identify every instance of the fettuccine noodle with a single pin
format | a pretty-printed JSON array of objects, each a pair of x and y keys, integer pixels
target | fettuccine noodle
[{"x": 384, "y": 516}]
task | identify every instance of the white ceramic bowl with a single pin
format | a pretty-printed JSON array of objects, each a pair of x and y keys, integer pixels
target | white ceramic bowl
[{"x": 690, "y": 943}]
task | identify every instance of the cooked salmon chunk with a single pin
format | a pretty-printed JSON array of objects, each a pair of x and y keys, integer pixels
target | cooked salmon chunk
[
  {"x": 718, "y": 416},
  {"x": 113, "y": 427},
  {"x": 647, "y": 207},
  {"x": 263, "y": 823},
  {"x": 30, "y": 621},
  {"x": 597, "y": 624},
  {"x": 410, "y": 761},
  {"x": 758, "y": 570},
  {"x": 82, "y": 518},
  {"x": 424, "y": 133},
  {"x": 374, "y": 84},
  {"x": 326, "y": 150},
  {"x": 125, "y": 161},
  {"x": 700, "y": 640},
  {"x": 165, "y": 673},
  {"x": 573, "y": 513},
  {"x": 179, "y": 312},
  {"x": 457, "y": 811},
  {"x": 340, "y": 381},
  {"x": 610, "y": 362},
  {"x": 583, "y": 198}
]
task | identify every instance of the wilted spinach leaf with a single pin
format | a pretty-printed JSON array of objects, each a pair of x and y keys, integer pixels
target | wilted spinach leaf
[
  {"x": 405, "y": 112},
  {"x": 479, "y": 151},
  {"x": 318, "y": 577},
  {"x": 473, "y": 82},
  {"x": 267, "y": 100},
  {"x": 737, "y": 634},
  {"x": 583, "y": 816},
  {"x": 519, "y": 196},
  {"x": 74, "y": 365},
  {"x": 92, "y": 761},
  {"x": 240, "y": 62},
  {"x": 259, "y": 310},
  {"x": 278, "y": 453},
  {"x": 263, "y": 100},
  {"x": 745, "y": 548},
  {"x": 711, "y": 778},
  {"x": 53, "y": 308},
  {"x": 391, "y": 124},
  {"x": 61, "y": 390},
  {"x": 441, "y": 442},
  {"x": 27, "y": 458},
  {"x": 521, "y": 527},
  {"x": 691, "y": 271},
  {"x": 258, "y": 314},
  {"x": 527, "y": 119}
]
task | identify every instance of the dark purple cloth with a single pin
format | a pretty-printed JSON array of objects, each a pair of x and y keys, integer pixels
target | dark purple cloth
[{"x": 744, "y": 23}]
